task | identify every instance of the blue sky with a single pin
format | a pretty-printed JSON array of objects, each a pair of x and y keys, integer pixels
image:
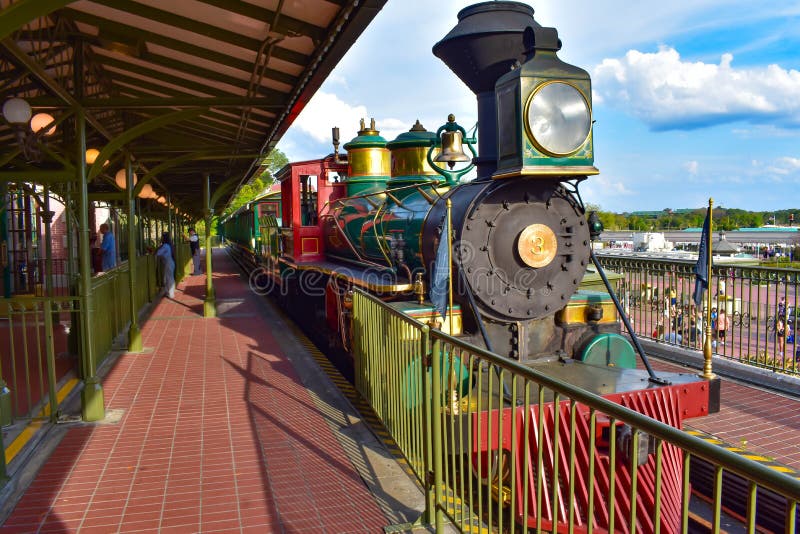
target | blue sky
[{"x": 692, "y": 99}]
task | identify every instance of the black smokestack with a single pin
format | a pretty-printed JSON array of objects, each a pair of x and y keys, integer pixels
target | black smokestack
[{"x": 485, "y": 44}]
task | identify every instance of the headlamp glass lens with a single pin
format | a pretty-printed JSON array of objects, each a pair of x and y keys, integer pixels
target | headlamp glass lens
[{"x": 559, "y": 118}]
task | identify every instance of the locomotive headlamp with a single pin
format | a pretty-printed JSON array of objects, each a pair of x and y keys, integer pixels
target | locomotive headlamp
[
  {"x": 544, "y": 114},
  {"x": 558, "y": 118}
]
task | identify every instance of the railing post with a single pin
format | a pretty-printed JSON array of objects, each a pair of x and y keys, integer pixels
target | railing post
[
  {"x": 50, "y": 359},
  {"x": 425, "y": 380},
  {"x": 436, "y": 414}
]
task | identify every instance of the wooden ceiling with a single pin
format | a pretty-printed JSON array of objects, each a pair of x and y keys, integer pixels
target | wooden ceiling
[{"x": 185, "y": 87}]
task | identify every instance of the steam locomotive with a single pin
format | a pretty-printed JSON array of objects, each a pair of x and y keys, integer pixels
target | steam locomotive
[{"x": 521, "y": 240}]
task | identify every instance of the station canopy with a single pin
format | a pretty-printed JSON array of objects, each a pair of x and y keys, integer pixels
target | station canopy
[{"x": 184, "y": 88}]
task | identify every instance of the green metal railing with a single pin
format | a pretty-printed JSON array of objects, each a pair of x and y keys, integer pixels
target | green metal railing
[
  {"x": 111, "y": 303},
  {"x": 183, "y": 261},
  {"x": 111, "y": 300},
  {"x": 757, "y": 302},
  {"x": 33, "y": 340},
  {"x": 35, "y": 332},
  {"x": 539, "y": 453}
]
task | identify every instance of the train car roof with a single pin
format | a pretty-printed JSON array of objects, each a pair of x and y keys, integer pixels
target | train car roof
[{"x": 286, "y": 170}]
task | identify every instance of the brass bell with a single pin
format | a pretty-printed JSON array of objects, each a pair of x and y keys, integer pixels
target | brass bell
[{"x": 452, "y": 150}]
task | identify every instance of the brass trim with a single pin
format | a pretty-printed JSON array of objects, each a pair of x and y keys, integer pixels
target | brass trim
[
  {"x": 371, "y": 161},
  {"x": 537, "y": 245},
  {"x": 382, "y": 288},
  {"x": 530, "y": 135},
  {"x": 549, "y": 171},
  {"x": 380, "y": 240},
  {"x": 577, "y": 313}
]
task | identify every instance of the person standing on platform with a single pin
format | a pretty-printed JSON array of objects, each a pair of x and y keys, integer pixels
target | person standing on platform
[
  {"x": 722, "y": 326},
  {"x": 780, "y": 335},
  {"x": 166, "y": 261},
  {"x": 194, "y": 248},
  {"x": 108, "y": 247}
]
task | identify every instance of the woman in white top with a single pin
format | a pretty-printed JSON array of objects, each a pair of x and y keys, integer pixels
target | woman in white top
[{"x": 166, "y": 261}]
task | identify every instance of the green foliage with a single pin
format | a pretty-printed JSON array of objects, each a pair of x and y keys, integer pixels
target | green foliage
[
  {"x": 274, "y": 161},
  {"x": 724, "y": 219}
]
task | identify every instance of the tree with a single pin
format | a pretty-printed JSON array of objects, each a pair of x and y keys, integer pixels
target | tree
[
  {"x": 608, "y": 219},
  {"x": 271, "y": 164}
]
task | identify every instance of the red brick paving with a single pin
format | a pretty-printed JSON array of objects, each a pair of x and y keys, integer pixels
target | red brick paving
[
  {"x": 758, "y": 421},
  {"x": 218, "y": 435}
]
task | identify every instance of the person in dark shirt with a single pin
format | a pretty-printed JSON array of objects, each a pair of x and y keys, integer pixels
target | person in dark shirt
[{"x": 194, "y": 248}]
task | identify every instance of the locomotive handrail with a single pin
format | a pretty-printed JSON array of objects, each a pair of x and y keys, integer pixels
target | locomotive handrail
[
  {"x": 772, "y": 479},
  {"x": 394, "y": 348}
]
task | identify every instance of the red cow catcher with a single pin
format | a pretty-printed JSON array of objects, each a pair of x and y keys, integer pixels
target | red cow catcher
[{"x": 546, "y": 503}]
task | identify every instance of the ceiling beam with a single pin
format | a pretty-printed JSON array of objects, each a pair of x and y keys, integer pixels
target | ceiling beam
[
  {"x": 285, "y": 25},
  {"x": 20, "y": 13},
  {"x": 188, "y": 83},
  {"x": 137, "y": 33},
  {"x": 271, "y": 74},
  {"x": 107, "y": 197},
  {"x": 209, "y": 157},
  {"x": 39, "y": 73},
  {"x": 137, "y": 131},
  {"x": 145, "y": 102},
  {"x": 39, "y": 176}
]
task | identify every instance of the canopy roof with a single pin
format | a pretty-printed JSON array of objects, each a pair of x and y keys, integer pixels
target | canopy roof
[{"x": 185, "y": 87}]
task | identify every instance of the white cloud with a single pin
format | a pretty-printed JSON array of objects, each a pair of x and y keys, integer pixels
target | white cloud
[
  {"x": 691, "y": 167},
  {"x": 324, "y": 111},
  {"x": 792, "y": 163},
  {"x": 669, "y": 93}
]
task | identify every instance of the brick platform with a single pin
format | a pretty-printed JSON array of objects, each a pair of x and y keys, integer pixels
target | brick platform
[{"x": 215, "y": 433}]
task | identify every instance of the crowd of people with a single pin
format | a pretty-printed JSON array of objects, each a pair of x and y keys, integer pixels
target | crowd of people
[{"x": 683, "y": 324}]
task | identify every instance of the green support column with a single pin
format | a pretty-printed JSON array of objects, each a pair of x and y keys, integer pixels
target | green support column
[
  {"x": 4, "y": 240},
  {"x": 210, "y": 304},
  {"x": 134, "y": 334},
  {"x": 47, "y": 218},
  {"x": 141, "y": 244},
  {"x": 170, "y": 222},
  {"x": 68, "y": 211},
  {"x": 92, "y": 404},
  {"x": 6, "y": 416}
]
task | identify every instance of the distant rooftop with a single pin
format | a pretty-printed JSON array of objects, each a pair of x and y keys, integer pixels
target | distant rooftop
[
  {"x": 758, "y": 229},
  {"x": 654, "y": 214},
  {"x": 769, "y": 228}
]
